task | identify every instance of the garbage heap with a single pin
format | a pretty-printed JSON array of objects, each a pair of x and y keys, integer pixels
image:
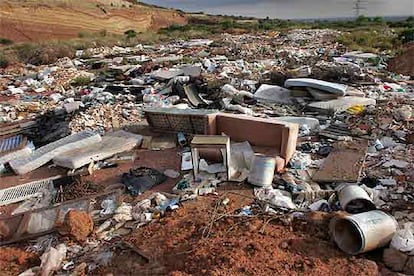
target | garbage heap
[{"x": 310, "y": 126}]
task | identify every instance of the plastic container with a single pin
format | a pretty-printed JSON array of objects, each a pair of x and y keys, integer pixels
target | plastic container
[
  {"x": 262, "y": 170},
  {"x": 354, "y": 199},
  {"x": 363, "y": 232}
]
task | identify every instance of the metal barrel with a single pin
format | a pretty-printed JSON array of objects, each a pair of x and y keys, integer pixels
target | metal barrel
[
  {"x": 355, "y": 234},
  {"x": 262, "y": 170},
  {"x": 354, "y": 199}
]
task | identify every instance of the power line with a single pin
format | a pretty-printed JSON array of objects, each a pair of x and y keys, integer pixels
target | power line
[{"x": 359, "y": 6}]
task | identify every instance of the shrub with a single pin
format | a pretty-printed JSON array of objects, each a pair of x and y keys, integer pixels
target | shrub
[
  {"x": 5, "y": 41},
  {"x": 130, "y": 34},
  {"x": 4, "y": 62},
  {"x": 81, "y": 81},
  {"x": 38, "y": 54},
  {"x": 407, "y": 35}
]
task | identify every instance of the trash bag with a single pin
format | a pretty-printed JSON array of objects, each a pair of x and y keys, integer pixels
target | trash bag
[
  {"x": 403, "y": 239},
  {"x": 141, "y": 179}
]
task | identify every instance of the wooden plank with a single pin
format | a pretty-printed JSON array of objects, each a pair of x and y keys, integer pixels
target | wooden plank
[{"x": 344, "y": 163}]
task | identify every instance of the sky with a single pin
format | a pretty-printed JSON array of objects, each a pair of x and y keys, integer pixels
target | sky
[{"x": 291, "y": 9}]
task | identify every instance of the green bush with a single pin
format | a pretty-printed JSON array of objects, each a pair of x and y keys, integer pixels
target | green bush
[
  {"x": 369, "y": 40},
  {"x": 81, "y": 81},
  {"x": 38, "y": 54},
  {"x": 5, "y": 41},
  {"x": 407, "y": 35},
  {"x": 4, "y": 62},
  {"x": 130, "y": 34}
]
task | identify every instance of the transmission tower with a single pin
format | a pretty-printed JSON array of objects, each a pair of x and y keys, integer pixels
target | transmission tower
[{"x": 359, "y": 6}]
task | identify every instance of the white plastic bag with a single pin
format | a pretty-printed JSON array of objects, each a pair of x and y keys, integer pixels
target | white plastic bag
[{"x": 403, "y": 239}]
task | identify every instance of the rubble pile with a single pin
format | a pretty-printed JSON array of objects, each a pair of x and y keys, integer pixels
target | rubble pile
[{"x": 318, "y": 139}]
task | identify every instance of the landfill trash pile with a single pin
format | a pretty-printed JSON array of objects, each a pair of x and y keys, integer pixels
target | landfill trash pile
[{"x": 147, "y": 150}]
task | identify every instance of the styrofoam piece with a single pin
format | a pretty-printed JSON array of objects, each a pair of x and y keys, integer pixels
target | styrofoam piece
[
  {"x": 110, "y": 145},
  {"x": 24, "y": 191},
  {"x": 46, "y": 153},
  {"x": 335, "y": 88},
  {"x": 22, "y": 153}
]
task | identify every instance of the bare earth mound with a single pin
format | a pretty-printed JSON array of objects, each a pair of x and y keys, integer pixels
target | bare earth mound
[
  {"x": 404, "y": 64},
  {"x": 31, "y": 20}
]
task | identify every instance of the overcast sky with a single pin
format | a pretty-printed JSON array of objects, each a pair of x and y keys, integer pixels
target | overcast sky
[{"x": 291, "y": 9}]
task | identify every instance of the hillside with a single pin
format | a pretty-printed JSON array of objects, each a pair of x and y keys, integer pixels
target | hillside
[{"x": 36, "y": 20}]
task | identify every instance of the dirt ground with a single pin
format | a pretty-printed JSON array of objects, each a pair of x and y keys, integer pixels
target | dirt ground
[
  {"x": 204, "y": 237},
  {"x": 404, "y": 64},
  {"x": 188, "y": 242},
  {"x": 45, "y": 19}
]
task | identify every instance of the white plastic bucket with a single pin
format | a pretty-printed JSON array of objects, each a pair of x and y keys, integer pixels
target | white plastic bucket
[
  {"x": 363, "y": 232},
  {"x": 262, "y": 170}
]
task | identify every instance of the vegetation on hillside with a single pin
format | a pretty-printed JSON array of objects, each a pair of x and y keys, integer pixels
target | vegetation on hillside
[{"x": 366, "y": 34}]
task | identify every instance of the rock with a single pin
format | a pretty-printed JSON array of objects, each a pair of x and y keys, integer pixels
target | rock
[
  {"x": 394, "y": 259},
  {"x": 409, "y": 266},
  {"x": 77, "y": 224}
]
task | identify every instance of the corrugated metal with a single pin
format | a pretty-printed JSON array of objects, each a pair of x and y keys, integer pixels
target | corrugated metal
[{"x": 11, "y": 143}]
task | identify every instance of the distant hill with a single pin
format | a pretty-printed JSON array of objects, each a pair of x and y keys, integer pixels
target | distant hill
[{"x": 37, "y": 20}]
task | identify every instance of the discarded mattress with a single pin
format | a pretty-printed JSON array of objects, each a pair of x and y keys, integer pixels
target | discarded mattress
[
  {"x": 110, "y": 145},
  {"x": 334, "y": 88},
  {"x": 273, "y": 94},
  {"x": 46, "y": 153}
]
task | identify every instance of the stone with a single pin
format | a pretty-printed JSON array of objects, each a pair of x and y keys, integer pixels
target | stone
[
  {"x": 395, "y": 259},
  {"x": 77, "y": 224}
]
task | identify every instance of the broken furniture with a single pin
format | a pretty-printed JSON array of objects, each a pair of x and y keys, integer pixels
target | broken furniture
[
  {"x": 190, "y": 121},
  {"x": 267, "y": 136},
  {"x": 200, "y": 142}
]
